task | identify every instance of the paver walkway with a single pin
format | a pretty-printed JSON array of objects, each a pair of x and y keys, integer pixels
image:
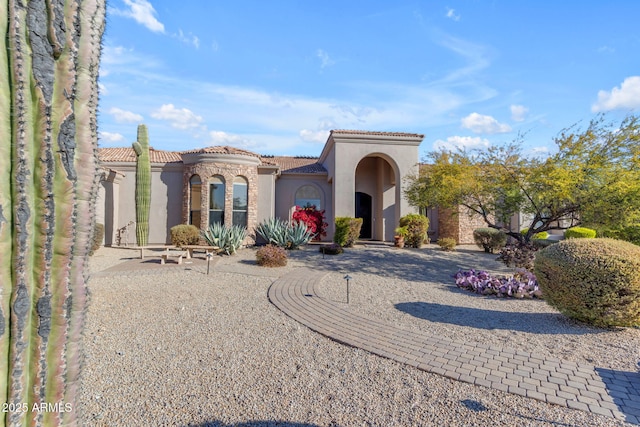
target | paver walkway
[{"x": 575, "y": 385}]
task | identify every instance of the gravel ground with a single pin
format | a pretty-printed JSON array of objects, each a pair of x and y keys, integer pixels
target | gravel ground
[{"x": 173, "y": 346}]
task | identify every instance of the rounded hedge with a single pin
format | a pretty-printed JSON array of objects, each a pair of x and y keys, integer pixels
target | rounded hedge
[
  {"x": 580, "y": 233},
  {"x": 184, "y": 234},
  {"x": 417, "y": 226},
  {"x": 489, "y": 239},
  {"x": 592, "y": 280}
]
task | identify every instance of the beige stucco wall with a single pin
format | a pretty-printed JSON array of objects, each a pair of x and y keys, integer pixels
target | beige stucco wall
[{"x": 166, "y": 196}]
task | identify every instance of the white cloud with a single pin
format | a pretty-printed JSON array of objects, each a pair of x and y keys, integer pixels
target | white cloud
[
  {"x": 325, "y": 60},
  {"x": 627, "y": 96},
  {"x": 479, "y": 123},
  {"x": 319, "y": 136},
  {"x": 217, "y": 137},
  {"x": 103, "y": 89},
  {"x": 179, "y": 118},
  {"x": 188, "y": 39},
  {"x": 518, "y": 112},
  {"x": 143, "y": 13},
  {"x": 124, "y": 116},
  {"x": 451, "y": 14},
  {"x": 454, "y": 143},
  {"x": 111, "y": 137}
]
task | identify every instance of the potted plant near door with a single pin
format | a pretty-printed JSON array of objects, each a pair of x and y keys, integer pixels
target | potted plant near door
[{"x": 399, "y": 235}]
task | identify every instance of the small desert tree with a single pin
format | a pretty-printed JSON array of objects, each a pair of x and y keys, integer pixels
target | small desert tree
[{"x": 592, "y": 179}]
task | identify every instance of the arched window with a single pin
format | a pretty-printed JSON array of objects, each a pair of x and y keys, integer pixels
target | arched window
[
  {"x": 308, "y": 195},
  {"x": 195, "y": 190},
  {"x": 240, "y": 201},
  {"x": 216, "y": 200}
]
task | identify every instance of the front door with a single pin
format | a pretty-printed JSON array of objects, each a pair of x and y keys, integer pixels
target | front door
[{"x": 363, "y": 210}]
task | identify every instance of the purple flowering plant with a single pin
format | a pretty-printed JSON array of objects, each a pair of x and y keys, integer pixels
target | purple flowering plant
[{"x": 522, "y": 284}]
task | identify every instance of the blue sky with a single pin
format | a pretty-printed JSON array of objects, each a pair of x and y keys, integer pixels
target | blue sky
[{"x": 275, "y": 76}]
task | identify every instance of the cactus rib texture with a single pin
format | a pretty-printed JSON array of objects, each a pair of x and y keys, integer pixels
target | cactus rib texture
[
  {"x": 49, "y": 54},
  {"x": 143, "y": 186}
]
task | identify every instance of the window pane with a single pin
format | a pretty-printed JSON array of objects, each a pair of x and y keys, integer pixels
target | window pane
[
  {"x": 240, "y": 218},
  {"x": 308, "y": 195},
  {"x": 216, "y": 216},
  {"x": 195, "y": 200},
  {"x": 216, "y": 195},
  {"x": 239, "y": 196}
]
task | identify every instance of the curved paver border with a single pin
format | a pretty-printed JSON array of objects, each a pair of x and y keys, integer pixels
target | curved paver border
[{"x": 579, "y": 386}]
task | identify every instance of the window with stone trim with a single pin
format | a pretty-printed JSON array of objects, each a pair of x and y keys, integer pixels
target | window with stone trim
[
  {"x": 195, "y": 192},
  {"x": 308, "y": 195},
  {"x": 216, "y": 199},
  {"x": 240, "y": 201}
]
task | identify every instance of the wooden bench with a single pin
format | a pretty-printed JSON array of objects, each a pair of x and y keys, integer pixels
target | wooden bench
[
  {"x": 165, "y": 247},
  {"x": 206, "y": 248},
  {"x": 167, "y": 255}
]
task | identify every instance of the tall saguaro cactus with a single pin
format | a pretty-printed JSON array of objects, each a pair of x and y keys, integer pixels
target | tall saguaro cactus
[
  {"x": 143, "y": 185},
  {"x": 49, "y": 59}
]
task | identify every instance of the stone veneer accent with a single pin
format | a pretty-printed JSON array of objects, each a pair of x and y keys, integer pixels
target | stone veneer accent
[
  {"x": 228, "y": 171},
  {"x": 458, "y": 224}
]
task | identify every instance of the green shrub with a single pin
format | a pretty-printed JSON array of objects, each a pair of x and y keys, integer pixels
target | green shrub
[
  {"x": 347, "y": 231},
  {"x": 592, "y": 280},
  {"x": 447, "y": 244},
  {"x": 271, "y": 256},
  {"x": 417, "y": 226},
  {"x": 98, "y": 236},
  {"x": 543, "y": 235},
  {"x": 630, "y": 234},
  {"x": 332, "y": 249},
  {"x": 580, "y": 233},
  {"x": 489, "y": 239},
  {"x": 228, "y": 239},
  {"x": 184, "y": 234}
]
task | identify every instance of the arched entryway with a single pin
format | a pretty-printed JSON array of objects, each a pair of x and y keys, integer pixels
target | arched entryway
[{"x": 376, "y": 197}]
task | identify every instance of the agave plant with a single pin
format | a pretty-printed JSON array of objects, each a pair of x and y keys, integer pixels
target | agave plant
[
  {"x": 288, "y": 235},
  {"x": 298, "y": 234},
  {"x": 228, "y": 239},
  {"x": 274, "y": 231}
]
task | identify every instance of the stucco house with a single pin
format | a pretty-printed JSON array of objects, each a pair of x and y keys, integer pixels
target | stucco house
[{"x": 358, "y": 174}]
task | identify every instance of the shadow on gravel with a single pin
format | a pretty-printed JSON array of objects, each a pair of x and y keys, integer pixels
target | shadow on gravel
[
  {"x": 536, "y": 323},
  {"x": 256, "y": 424},
  {"x": 426, "y": 264},
  {"x": 624, "y": 388}
]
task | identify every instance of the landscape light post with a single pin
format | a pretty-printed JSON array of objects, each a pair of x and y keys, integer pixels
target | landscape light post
[{"x": 347, "y": 278}]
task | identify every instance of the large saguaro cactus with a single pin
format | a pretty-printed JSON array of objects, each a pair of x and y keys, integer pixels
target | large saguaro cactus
[
  {"x": 49, "y": 59},
  {"x": 143, "y": 185}
]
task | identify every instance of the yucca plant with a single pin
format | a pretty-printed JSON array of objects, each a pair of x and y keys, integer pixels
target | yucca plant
[
  {"x": 227, "y": 239},
  {"x": 50, "y": 54}
]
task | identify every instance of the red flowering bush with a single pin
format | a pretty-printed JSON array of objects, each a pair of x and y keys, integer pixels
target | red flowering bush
[{"x": 313, "y": 218}]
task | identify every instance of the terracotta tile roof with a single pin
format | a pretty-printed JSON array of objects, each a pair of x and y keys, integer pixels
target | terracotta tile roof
[
  {"x": 126, "y": 154},
  {"x": 364, "y": 132},
  {"x": 221, "y": 150},
  {"x": 298, "y": 164}
]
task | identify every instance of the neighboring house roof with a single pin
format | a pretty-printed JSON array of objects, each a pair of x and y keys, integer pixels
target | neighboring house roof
[
  {"x": 297, "y": 164},
  {"x": 364, "y": 132},
  {"x": 126, "y": 154}
]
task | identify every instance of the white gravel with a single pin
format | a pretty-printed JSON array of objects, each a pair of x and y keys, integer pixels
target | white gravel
[{"x": 171, "y": 346}]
